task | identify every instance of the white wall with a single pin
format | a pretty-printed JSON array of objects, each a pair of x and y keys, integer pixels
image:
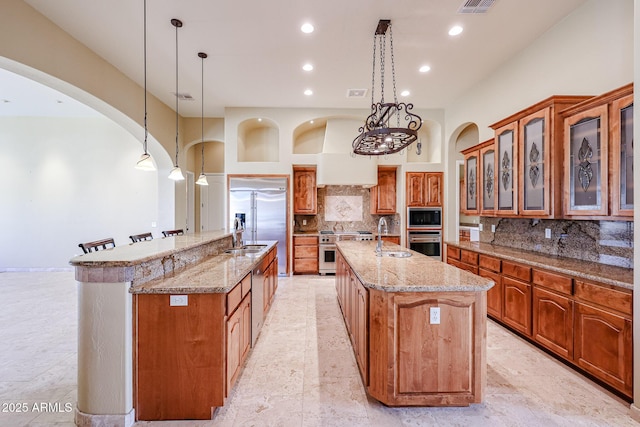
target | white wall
[
  {"x": 588, "y": 53},
  {"x": 69, "y": 180}
]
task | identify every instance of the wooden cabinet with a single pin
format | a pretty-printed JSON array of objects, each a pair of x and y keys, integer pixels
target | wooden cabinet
[
  {"x": 586, "y": 324},
  {"x": 361, "y": 329},
  {"x": 305, "y": 254},
  {"x": 424, "y": 189},
  {"x": 391, "y": 239},
  {"x": 487, "y": 157},
  {"x": 237, "y": 340},
  {"x": 305, "y": 195},
  {"x": 479, "y": 186},
  {"x": 506, "y": 160},
  {"x": 598, "y": 157},
  {"x": 621, "y": 154},
  {"x": 471, "y": 205},
  {"x": 383, "y": 195}
]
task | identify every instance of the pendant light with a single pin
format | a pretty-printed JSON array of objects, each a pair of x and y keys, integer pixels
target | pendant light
[
  {"x": 176, "y": 172},
  {"x": 380, "y": 135},
  {"x": 202, "y": 179},
  {"x": 146, "y": 162}
]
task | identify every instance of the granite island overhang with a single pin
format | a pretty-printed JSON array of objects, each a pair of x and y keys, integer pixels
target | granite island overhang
[{"x": 417, "y": 326}]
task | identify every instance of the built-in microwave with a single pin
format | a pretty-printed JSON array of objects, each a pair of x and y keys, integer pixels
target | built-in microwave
[{"x": 424, "y": 217}]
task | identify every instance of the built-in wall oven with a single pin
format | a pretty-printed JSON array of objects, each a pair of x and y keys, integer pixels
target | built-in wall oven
[{"x": 427, "y": 242}]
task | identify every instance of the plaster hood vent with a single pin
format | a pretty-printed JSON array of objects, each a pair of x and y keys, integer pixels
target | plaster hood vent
[
  {"x": 336, "y": 165},
  {"x": 476, "y": 6}
]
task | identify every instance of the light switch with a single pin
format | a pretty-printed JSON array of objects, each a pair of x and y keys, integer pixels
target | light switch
[
  {"x": 178, "y": 300},
  {"x": 547, "y": 233},
  {"x": 153, "y": 224},
  {"x": 480, "y": 227},
  {"x": 493, "y": 228}
]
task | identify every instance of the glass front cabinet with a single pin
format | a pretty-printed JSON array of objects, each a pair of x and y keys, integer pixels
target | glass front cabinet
[
  {"x": 535, "y": 172},
  {"x": 598, "y": 157},
  {"x": 471, "y": 204},
  {"x": 506, "y": 160},
  {"x": 487, "y": 156}
]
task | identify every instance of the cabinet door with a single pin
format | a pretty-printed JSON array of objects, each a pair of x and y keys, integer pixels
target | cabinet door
[
  {"x": 434, "y": 188},
  {"x": 246, "y": 327},
  {"x": 553, "y": 322},
  {"x": 362, "y": 327},
  {"x": 603, "y": 346},
  {"x": 488, "y": 180},
  {"x": 622, "y": 157},
  {"x": 416, "y": 189},
  {"x": 234, "y": 348},
  {"x": 586, "y": 160},
  {"x": 506, "y": 175},
  {"x": 494, "y": 295},
  {"x": 304, "y": 191},
  {"x": 383, "y": 195},
  {"x": 471, "y": 184},
  {"x": 517, "y": 305},
  {"x": 534, "y": 172}
]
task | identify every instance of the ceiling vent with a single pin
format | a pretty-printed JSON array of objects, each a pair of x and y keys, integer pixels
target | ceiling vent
[
  {"x": 476, "y": 6},
  {"x": 356, "y": 93},
  {"x": 183, "y": 96}
]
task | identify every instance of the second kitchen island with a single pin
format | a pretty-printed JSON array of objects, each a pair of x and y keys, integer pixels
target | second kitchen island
[{"x": 417, "y": 326}]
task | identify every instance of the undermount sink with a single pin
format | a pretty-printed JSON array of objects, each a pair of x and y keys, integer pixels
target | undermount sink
[
  {"x": 242, "y": 251},
  {"x": 394, "y": 254},
  {"x": 254, "y": 246}
]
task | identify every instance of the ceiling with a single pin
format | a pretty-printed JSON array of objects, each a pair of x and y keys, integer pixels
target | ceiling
[{"x": 256, "y": 49}]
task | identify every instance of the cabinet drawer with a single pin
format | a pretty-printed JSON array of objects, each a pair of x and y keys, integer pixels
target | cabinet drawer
[
  {"x": 516, "y": 271},
  {"x": 454, "y": 262},
  {"x": 453, "y": 252},
  {"x": 305, "y": 240},
  {"x": 469, "y": 257},
  {"x": 553, "y": 281},
  {"x": 616, "y": 299},
  {"x": 305, "y": 265},
  {"x": 489, "y": 263},
  {"x": 246, "y": 285},
  {"x": 234, "y": 298},
  {"x": 306, "y": 252}
]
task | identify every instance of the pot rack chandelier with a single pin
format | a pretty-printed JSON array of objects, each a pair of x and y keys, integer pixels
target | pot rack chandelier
[
  {"x": 176, "y": 172},
  {"x": 146, "y": 162},
  {"x": 202, "y": 179},
  {"x": 391, "y": 126}
]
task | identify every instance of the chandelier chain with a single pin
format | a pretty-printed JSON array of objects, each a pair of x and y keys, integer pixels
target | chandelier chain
[
  {"x": 373, "y": 73},
  {"x": 383, "y": 48},
  {"x": 393, "y": 72}
]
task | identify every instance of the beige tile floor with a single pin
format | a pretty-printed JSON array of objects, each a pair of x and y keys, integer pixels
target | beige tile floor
[{"x": 302, "y": 371}]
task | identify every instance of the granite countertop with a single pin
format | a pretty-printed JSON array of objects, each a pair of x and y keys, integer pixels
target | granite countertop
[
  {"x": 587, "y": 270},
  {"x": 417, "y": 273},
  {"x": 216, "y": 274},
  {"x": 137, "y": 253}
]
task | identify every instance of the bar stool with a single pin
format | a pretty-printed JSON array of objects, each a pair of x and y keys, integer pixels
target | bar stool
[
  {"x": 97, "y": 245},
  {"x": 140, "y": 237},
  {"x": 177, "y": 232}
]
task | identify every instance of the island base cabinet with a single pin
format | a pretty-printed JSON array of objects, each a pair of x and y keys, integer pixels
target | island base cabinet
[
  {"x": 175, "y": 348},
  {"x": 603, "y": 346},
  {"x": 413, "y": 362}
]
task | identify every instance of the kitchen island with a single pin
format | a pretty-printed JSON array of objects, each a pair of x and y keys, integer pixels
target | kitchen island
[
  {"x": 137, "y": 303},
  {"x": 417, "y": 325}
]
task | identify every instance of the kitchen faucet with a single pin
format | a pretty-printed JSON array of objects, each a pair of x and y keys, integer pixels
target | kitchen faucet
[
  {"x": 383, "y": 220},
  {"x": 237, "y": 229}
]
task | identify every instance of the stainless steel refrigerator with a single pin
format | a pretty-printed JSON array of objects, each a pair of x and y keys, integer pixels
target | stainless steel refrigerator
[{"x": 263, "y": 201}]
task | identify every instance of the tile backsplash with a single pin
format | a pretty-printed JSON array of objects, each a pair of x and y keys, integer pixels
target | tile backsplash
[
  {"x": 605, "y": 242},
  {"x": 368, "y": 221}
]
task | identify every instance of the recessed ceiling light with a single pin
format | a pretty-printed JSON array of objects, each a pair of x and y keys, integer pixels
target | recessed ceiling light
[
  {"x": 455, "y": 30},
  {"x": 308, "y": 92},
  {"x": 424, "y": 69},
  {"x": 405, "y": 93},
  {"x": 310, "y": 121},
  {"x": 307, "y": 28},
  {"x": 307, "y": 67}
]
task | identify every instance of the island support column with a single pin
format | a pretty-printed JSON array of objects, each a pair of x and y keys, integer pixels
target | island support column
[{"x": 105, "y": 356}]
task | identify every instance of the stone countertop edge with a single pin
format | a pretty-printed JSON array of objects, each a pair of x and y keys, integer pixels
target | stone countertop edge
[
  {"x": 587, "y": 270},
  {"x": 216, "y": 274},
  {"x": 133, "y": 254},
  {"x": 417, "y": 273}
]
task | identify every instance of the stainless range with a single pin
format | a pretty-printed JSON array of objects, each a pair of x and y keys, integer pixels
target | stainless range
[{"x": 327, "y": 249}]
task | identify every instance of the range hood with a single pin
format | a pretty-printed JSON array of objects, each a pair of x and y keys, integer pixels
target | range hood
[{"x": 336, "y": 165}]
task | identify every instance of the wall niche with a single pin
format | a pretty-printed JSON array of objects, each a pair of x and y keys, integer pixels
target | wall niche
[
  {"x": 258, "y": 141},
  {"x": 308, "y": 138}
]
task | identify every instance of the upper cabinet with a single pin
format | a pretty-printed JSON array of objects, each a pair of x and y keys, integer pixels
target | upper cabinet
[
  {"x": 424, "y": 189},
  {"x": 598, "y": 156},
  {"x": 305, "y": 195},
  {"x": 479, "y": 179},
  {"x": 488, "y": 179},
  {"x": 536, "y": 157},
  {"x": 383, "y": 195}
]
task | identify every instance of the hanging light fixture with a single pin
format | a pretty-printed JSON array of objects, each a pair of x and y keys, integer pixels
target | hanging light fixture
[
  {"x": 146, "y": 162},
  {"x": 391, "y": 126},
  {"x": 202, "y": 179},
  {"x": 176, "y": 172}
]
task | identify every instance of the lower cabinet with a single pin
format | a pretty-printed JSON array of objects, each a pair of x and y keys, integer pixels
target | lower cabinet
[
  {"x": 305, "y": 254},
  {"x": 238, "y": 340},
  {"x": 586, "y": 324}
]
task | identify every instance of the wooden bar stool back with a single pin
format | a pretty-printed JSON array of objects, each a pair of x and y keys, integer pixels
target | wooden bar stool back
[
  {"x": 140, "y": 237},
  {"x": 177, "y": 232},
  {"x": 97, "y": 245}
]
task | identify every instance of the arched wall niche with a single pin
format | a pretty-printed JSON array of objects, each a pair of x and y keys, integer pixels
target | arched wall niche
[
  {"x": 258, "y": 140},
  {"x": 308, "y": 137}
]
